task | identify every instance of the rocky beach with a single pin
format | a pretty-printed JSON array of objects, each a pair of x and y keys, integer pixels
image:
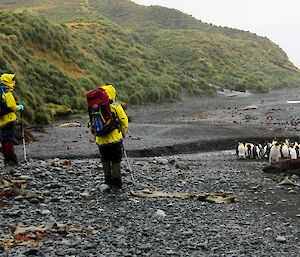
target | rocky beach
[{"x": 55, "y": 204}]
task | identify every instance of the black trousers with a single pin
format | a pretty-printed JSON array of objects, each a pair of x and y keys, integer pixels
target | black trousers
[
  {"x": 7, "y": 132},
  {"x": 111, "y": 152}
]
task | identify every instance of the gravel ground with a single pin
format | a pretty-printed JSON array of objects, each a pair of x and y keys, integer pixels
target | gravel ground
[
  {"x": 263, "y": 222},
  {"x": 175, "y": 149}
]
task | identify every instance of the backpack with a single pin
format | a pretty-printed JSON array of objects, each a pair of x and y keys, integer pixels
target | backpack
[
  {"x": 102, "y": 120},
  {"x": 3, "y": 106}
]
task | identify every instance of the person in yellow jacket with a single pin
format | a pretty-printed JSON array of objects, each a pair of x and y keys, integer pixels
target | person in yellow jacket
[
  {"x": 8, "y": 118},
  {"x": 110, "y": 145}
]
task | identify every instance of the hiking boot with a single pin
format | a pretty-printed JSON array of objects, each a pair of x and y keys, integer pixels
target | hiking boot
[
  {"x": 6, "y": 160},
  {"x": 13, "y": 160},
  {"x": 117, "y": 182},
  {"x": 116, "y": 175},
  {"x": 10, "y": 158},
  {"x": 108, "y": 180}
]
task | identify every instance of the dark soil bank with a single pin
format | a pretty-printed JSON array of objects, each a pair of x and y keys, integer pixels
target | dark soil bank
[{"x": 185, "y": 147}]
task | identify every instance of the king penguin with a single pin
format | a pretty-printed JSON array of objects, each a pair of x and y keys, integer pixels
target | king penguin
[
  {"x": 266, "y": 150},
  {"x": 293, "y": 153},
  {"x": 241, "y": 150},
  {"x": 257, "y": 151},
  {"x": 297, "y": 148},
  {"x": 274, "y": 153},
  {"x": 285, "y": 153}
]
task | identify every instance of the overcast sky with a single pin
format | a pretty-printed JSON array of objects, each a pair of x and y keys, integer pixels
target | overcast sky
[{"x": 279, "y": 20}]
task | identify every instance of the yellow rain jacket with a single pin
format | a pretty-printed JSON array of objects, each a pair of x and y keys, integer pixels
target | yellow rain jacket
[
  {"x": 117, "y": 134},
  {"x": 8, "y": 98}
]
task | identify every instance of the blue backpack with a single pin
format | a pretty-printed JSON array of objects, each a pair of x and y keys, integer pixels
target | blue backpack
[
  {"x": 97, "y": 123},
  {"x": 102, "y": 119}
]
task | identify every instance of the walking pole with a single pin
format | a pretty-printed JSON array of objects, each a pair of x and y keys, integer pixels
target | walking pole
[
  {"x": 23, "y": 137},
  {"x": 128, "y": 165}
]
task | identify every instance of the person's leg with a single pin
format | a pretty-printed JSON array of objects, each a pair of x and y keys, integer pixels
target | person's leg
[
  {"x": 116, "y": 174},
  {"x": 6, "y": 159},
  {"x": 3, "y": 150},
  {"x": 116, "y": 157},
  {"x": 106, "y": 165},
  {"x": 12, "y": 157},
  {"x": 7, "y": 134},
  {"x": 107, "y": 172}
]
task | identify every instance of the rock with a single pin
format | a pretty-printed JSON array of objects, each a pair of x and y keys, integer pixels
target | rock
[
  {"x": 85, "y": 194},
  {"x": 19, "y": 197},
  {"x": 188, "y": 232},
  {"x": 147, "y": 246},
  {"x": 280, "y": 239},
  {"x": 182, "y": 166},
  {"x": 46, "y": 193},
  {"x": 284, "y": 166},
  {"x": 30, "y": 195},
  {"x": 16, "y": 213},
  {"x": 171, "y": 252},
  {"x": 159, "y": 214},
  {"x": 45, "y": 212},
  {"x": 24, "y": 177},
  {"x": 162, "y": 161},
  {"x": 121, "y": 230},
  {"x": 69, "y": 192},
  {"x": 104, "y": 187},
  {"x": 34, "y": 200}
]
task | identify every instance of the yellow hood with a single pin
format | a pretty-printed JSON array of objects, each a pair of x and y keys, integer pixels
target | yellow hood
[
  {"x": 7, "y": 80},
  {"x": 111, "y": 91}
]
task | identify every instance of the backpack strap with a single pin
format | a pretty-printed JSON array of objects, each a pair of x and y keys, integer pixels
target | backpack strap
[
  {"x": 3, "y": 106},
  {"x": 4, "y": 91}
]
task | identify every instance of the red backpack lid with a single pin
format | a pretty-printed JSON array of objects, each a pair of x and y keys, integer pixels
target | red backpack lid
[{"x": 97, "y": 96}]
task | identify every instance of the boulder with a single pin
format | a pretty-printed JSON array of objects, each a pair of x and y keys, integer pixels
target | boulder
[{"x": 286, "y": 166}]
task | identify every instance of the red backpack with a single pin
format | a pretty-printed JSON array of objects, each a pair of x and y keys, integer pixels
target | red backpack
[{"x": 102, "y": 120}]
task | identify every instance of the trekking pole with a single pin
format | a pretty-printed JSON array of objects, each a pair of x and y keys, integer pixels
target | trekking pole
[
  {"x": 128, "y": 165},
  {"x": 23, "y": 137}
]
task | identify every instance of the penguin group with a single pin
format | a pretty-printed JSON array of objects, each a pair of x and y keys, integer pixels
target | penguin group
[{"x": 273, "y": 151}]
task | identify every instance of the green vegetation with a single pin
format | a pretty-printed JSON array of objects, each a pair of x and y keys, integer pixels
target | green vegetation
[
  {"x": 148, "y": 53},
  {"x": 56, "y": 65},
  {"x": 243, "y": 64}
]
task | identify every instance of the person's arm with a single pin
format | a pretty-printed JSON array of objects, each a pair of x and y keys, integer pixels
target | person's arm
[
  {"x": 123, "y": 119},
  {"x": 11, "y": 102}
]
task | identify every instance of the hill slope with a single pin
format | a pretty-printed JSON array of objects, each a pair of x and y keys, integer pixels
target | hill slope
[
  {"x": 56, "y": 65},
  {"x": 227, "y": 57},
  {"x": 153, "y": 51}
]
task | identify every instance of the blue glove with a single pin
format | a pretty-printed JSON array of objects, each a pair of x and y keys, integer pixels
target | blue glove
[{"x": 20, "y": 107}]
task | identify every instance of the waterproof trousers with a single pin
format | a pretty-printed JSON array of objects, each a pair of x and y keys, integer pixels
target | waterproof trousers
[
  {"x": 111, "y": 156},
  {"x": 7, "y": 137}
]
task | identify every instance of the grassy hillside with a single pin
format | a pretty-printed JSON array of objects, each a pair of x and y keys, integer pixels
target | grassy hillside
[
  {"x": 57, "y": 64},
  {"x": 223, "y": 56},
  {"x": 228, "y": 57},
  {"x": 244, "y": 63},
  {"x": 123, "y": 12},
  {"x": 150, "y": 52}
]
